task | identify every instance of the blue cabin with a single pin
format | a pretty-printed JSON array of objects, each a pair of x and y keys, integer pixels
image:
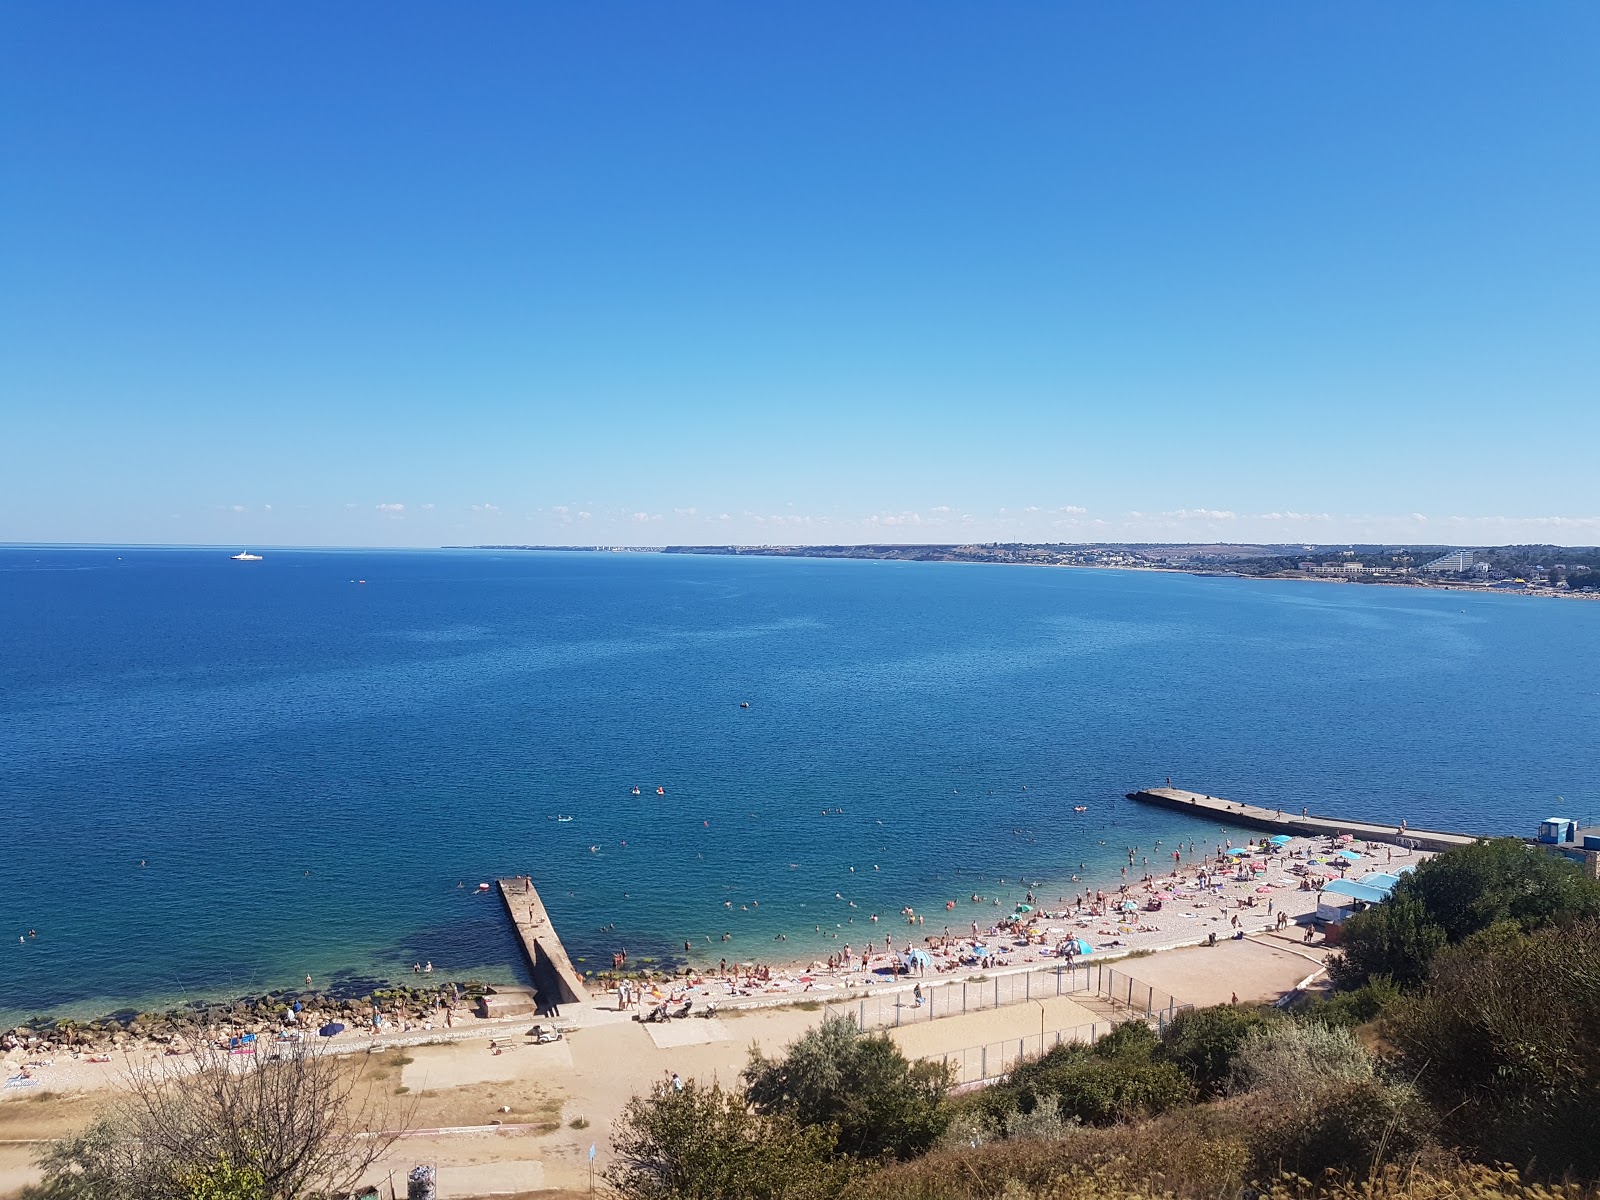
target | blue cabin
[{"x": 1557, "y": 830}]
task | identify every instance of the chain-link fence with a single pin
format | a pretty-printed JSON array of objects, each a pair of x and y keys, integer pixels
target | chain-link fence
[
  {"x": 987, "y": 1063},
  {"x": 945, "y": 997}
]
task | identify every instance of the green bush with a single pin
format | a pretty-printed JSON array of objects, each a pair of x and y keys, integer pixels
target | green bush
[
  {"x": 1294, "y": 1062},
  {"x": 1351, "y": 1127},
  {"x": 879, "y": 1103},
  {"x": 705, "y": 1144},
  {"x": 1396, "y": 939},
  {"x": 1117, "y": 1079},
  {"x": 1506, "y": 1039},
  {"x": 1203, "y": 1041},
  {"x": 1449, "y": 898},
  {"x": 1352, "y": 1008}
]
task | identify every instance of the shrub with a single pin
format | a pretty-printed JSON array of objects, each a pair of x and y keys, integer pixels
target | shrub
[
  {"x": 705, "y": 1144},
  {"x": 1352, "y": 1008},
  {"x": 1296, "y": 1062},
  {"x": 1507, "y": 1040},
  {"x": 1116, "y": 1079},
  {"x": 1353, "y": 1127},
  {"x": 1203, "y": 1041},
  {"x": 1043, "y": 1124},
  {"x": 879, "y": 1103},
  {"x": 1396, "y": 939}
]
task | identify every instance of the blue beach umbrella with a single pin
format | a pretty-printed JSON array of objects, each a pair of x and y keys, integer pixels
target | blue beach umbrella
[
  {"x": 1283, "y": 839},
  {"x": 1238, "y": 850},
  {"x": 1082, "y": 946},
  {"x": 915, "y": 957},
  {"x": 331, "y": 1028}
]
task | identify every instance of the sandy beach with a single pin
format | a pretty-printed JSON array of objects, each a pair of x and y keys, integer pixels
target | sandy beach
[{"x": 496, "y": 1111}]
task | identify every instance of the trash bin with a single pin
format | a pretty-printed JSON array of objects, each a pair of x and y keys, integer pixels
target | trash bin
[{"x": 420, "y": 1184}]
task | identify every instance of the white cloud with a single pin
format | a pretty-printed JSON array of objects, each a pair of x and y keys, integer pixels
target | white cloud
[
  {"x": 427, "y": 508},
  {"x": 943, "y": 508},
  {"x": 485, "y": 508},
  {"x": 1200, "y": 514},
  {"x": 1030, "y": 508},
  {"x": 685, "y": 512},
  {"x": 562, "y": 509},
  {"x": 1073, "y": 510},
  {"x": 724, "y": 517},
  {"x": 266, "y": 508},
  {"x": 895, "y": 520},
  {"x": 238, "y": 508},
  {"x": 392, "y": 509},
  {"x": 644, "y": 516},
  {"x": 583, "y": 516}
]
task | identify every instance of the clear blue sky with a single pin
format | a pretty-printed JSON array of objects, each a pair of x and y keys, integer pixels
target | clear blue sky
[{"x": 647, "y": 273}]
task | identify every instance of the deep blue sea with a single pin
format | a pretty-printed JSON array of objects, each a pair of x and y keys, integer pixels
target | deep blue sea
[{"x": 308, "y": 766}]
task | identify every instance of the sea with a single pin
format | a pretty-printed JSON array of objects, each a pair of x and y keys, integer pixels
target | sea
[{"x": 217, "y": 777}]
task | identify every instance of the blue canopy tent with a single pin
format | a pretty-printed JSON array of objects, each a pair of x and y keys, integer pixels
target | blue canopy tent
[
  {"x": 1349, "y": 855},
  {"x": 1380, "y": 879},
  {"x": 1081, "y": 946},
  {"x": 1356, "y": 891}
]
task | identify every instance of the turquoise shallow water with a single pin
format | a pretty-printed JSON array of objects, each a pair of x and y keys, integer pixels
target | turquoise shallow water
[{"x": 236, "y": 726}]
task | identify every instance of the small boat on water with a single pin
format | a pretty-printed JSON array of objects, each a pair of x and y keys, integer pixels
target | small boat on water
[
  {"x": 744, "y": 704},
  {"x": 246, "y": 556},
  {"x": 1080, "y": 808},
  {"x": 636, "y": 789},
  {"x": 563, "y": 820}
]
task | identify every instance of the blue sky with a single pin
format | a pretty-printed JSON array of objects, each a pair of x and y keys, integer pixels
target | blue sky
[{"x": 647, "y": 273}]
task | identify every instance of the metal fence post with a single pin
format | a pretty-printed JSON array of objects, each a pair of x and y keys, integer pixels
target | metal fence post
[
  {"x": 983, "y": 1062},
  {"x": 861, "y": 1021},
  {"x": 997, "y": 991},
  {"x": 1027, "y": 986},
  {"x": 963, "y": 996},
  {"x": 1150, "y": 1001}
]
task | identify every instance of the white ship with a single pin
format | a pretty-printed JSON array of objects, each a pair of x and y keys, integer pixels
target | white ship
[{"x": 246, "y": 556}]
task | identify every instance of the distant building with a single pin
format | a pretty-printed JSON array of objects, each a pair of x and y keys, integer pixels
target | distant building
[{"x": 1457, "y": 562}]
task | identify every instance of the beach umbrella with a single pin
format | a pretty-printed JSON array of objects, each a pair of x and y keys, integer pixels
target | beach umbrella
[
  {"x": 1082, "y": 946},
  {"x": 1024, "y": 908},
  {"x": 1283, "y": 839},
  {"x": 331, "y": 1028},
  {"x": 913, "y": 957},
  {"x": 1238, "y": 850}
]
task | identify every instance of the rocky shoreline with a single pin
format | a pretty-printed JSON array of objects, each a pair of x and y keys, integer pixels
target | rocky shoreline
[{"x": 353, "y": 1005}]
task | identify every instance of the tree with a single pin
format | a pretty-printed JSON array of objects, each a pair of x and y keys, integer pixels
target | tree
[
  {"x": 219, "y": 1128},
  {"x": 705, "y": 1144},
  {"x": 1455, "y": 895},
  {"x": 1488, "y": 882},
  {"x": 1396, "y": 938},
  {"x": 879, "y": 1103}
]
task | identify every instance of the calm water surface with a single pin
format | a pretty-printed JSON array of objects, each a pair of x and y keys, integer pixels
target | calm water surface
[{"x": 308, "y": 767}]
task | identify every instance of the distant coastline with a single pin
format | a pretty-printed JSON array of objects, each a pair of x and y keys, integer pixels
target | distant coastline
[{"x": 1564, "y": 571}]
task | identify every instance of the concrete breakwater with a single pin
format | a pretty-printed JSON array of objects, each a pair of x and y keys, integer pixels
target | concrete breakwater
[
  {"x": 556, "y": 979},
  {"x": 1305, "y": 824}
]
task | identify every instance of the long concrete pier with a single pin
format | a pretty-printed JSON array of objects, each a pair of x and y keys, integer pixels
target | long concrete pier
[
  {"x": 554, "y": 975},
  {"x": 1277, "y": 820}
]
